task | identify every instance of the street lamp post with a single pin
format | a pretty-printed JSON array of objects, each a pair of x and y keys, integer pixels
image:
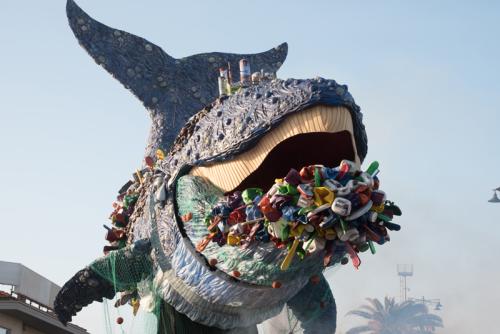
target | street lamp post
[
  {"x": 495, "y": 198},
  {"x": 432, "y": 302}
]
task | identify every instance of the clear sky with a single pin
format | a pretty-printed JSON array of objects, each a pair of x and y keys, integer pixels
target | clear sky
[{"x": 425, "y": 73}]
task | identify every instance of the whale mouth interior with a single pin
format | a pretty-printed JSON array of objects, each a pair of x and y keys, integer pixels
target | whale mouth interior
[
  {"x": 314, "y": 148},
  {"x": 320, "y": 135}
]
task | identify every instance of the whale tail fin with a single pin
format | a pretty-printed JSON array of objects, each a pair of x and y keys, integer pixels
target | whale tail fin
[{"x": 171, "y": 89}]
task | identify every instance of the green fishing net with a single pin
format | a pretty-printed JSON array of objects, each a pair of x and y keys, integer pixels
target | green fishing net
[
  {"x": 131, "y": 274},
  {"x": 124, "y": 268}
]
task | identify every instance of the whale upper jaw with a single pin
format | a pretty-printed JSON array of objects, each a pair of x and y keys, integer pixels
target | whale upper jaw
[{"x": 318, "y": 135}]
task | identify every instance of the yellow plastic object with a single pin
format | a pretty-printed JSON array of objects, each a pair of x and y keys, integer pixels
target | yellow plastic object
[
  {"x": 233, "y": 240},
  {"x": 160, "y": 155},
  {"x": 289, "y": 257},
  {"x": 135, "y": 305},
  {"x": 321, "y": 232},
  {"x": 379, "y": 208},
  {"x": 297, "y": 232},
  {"x": 323, "y": 195},
  {"x": 330, "y": 234},
  {"x": 139, "y": 176}
]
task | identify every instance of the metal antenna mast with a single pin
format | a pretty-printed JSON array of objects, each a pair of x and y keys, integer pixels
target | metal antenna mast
[{"x": 404, "y": 271}]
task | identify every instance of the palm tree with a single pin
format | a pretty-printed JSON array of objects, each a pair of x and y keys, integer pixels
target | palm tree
[{"x": 395, "y": 318}]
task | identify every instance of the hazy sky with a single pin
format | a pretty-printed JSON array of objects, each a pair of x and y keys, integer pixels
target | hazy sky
[{"x": 426, "y": 75}]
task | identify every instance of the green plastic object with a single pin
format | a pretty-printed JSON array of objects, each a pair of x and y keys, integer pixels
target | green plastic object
[
  {"x": 249, "y": 194},
  {"x": 372, "y": 247},
  {"x": 129, "y": 200},
  {"x": 372, "y": 168},
  {"x": 285, "y": 232},
  {"x": 208, "y": 220},
  {"x": 317, "y": 177},
  {"x": 364, "y": 247},
  {"x": 309, "y": 242},
  {"x": 288, "y": 189},
  {"x": 301, "y": 252},
  {"x": 383, "y": 217},
  {"x": 343, "y": 225},
  {"x": 306, "y": 210},
  {"x": 393, "y": 207}
]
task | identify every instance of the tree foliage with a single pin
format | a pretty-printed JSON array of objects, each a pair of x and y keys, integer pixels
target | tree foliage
[{"x": 395, "y": 318}]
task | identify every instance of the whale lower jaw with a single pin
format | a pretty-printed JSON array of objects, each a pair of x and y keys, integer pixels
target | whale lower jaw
[{"x": 317, "y": 135}]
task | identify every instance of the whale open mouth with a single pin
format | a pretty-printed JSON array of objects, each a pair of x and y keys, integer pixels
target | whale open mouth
[
  {"x": 228, "y": 214},
  {"x": 320, "y": 135}
]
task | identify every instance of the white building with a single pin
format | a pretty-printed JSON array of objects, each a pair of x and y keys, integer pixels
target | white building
[{"x": 24, "y": 306}]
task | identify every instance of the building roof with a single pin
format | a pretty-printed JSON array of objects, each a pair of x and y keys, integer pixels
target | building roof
[
  {"x": 28, "y": 282},
  {"x": 35, "y": 315},
  {"x": 29, "y": 299}
]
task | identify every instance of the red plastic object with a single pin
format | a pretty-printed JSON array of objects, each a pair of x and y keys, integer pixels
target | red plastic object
[
  {"x": 187, "y": 217},
  {"x": 110, "y": 236},
  {"x": 372, "y": 235},
  {"x": 307, "y": 173},
  {"x": 149, "y": 162},
  {"x": 266, "y": 208},
  {"x": 356, "y": 261},
  {"x": 120, "y": 219},
  {"x": 237, "y": 216},
  {"x": 344, "y": 168},
  {"x": 107, "y": 249}
]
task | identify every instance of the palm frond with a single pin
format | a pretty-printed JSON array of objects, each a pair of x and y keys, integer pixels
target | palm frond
[
  {"x": 377, "y": 304},
  {"x": 360, "y": 330},
  {"x": 426, "y": 320},
  {"x": 363, "y": 314}
]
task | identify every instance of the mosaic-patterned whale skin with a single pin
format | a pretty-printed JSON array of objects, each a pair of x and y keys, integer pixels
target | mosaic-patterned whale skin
[
  {"x": 195, "y": 128},
  {"x": 231, "y": 125}
]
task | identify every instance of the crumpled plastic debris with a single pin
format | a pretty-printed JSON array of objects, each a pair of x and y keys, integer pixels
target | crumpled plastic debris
[{"x": 339, "y": 210}]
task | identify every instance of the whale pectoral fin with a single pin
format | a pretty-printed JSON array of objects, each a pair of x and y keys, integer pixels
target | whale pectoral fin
[
  {"x": 118, "y": 271},
  {"x": 314, "y": 308},
  {"x": 135, "y": 62}
]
